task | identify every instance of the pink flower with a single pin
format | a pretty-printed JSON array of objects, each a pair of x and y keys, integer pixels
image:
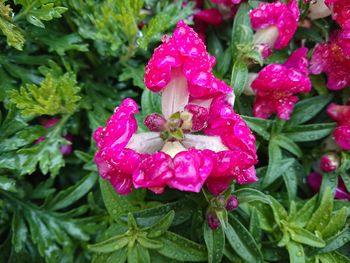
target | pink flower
[
  {"x": 275, "y": 23},
  {"x": 169, "y": 155},
  {"x": 333, "y": 58},
  {"x": 65, "y": 149},
  {"x": 341, "y": 114},
  {"x": 276, "y": 85},
  {"x": 203, "y": 18},
  {"x": 183, "y": 58},
  {"x": 315, "y": 181},
  {"x": 341, "y": 11}
]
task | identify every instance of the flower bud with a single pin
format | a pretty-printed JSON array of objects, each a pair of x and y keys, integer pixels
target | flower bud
[
  {"x": 213, "y": 221},
  {"x": 329, "y": 162},
  {"x": 155, "y": 122},
  {"x": 231, "y": 203}
]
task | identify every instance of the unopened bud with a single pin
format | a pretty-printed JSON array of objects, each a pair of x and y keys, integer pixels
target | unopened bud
[
  {"x": 155, "y": 122},
  {"x": 329, "y": 162},
  {"x": 231, "y": 203},
  {"x": 213, "y": 221}
]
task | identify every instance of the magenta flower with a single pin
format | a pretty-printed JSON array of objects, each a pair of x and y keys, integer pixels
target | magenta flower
[
  {"x": 169, "y": 155},
  {"x": 341, "y": 114},
  {"x": 276, "y": 85},
  {"x": 315, "y": 180},
  {"x": 275, "y": 23},
  {"x": 333, "y": 58},
  {"x": 340, "y": 12}
]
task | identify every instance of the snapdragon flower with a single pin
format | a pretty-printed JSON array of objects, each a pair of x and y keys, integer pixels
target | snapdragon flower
[
  {"x": 318, "y": 9},
  {"x": 275, "y": 24},
  {"x": 333, "y": 58},
  {"x": 276, "y": 85},
  {"x": 170, "y": 154},
  {"x": 341, "y": 114},
  {"x": 340, "y": 12}
]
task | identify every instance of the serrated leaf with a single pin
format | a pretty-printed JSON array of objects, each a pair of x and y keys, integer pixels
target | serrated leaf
[
  {"x": 215, "y": 242},
  {"x": 7, "y": 184},
  {"x": 13, "y": 34},
  {"x": 242, "y": 241},
  {"x": 182, "y": 249},
  {"x": 53, "y": 96}
]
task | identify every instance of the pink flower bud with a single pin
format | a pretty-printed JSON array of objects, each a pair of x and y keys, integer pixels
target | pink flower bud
[
  {"x": 155, "y": 122},
  {"x": 231, "y": 203},
  {"x": 329, "y": 162},
  {"x": 213, "y": 221}
]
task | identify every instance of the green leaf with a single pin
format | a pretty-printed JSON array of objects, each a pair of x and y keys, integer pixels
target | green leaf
[
  {"x": 183, "y": 210},
  {"x": 279, "y": 212},
  {"x": 296, "y": 252},
  {"x": 19, "y": 231},
  {"x": 260, "y": 126},
  {"x": 215, "y": 242},
  {"x": 336, "y": 241},
  {"x": 304, "y": 236},
  {"x": 110, "y": 245},
  {"x": 160, "y": 227},
  {"x": 118, "y": 256},
  {"x": 288, "y": 144},
  {"x": 333, "y": 257},
  {"x": 7, "y": 184},
  {"x": 53, "y": 96},
  {"x": 150, "y": 102},
  {"x": 149, "y": 243},
  {"x": 239, "y": 76},
  {"x": 311, "y": 105},
  {"x": 323, "y": 213},
  {"x": 182, "y": 249},
  {"x": 73, "y": 193},
  {"x": 116, "y": 204},
  {"x": 304, "y": 214},
  {"x": 254, "y": 225},
  {"x": 242, "y": 241},
  {"x": 250, "y": 195},
  {"x": 276, "y": 169},
  {"x": 309, "y": 132},
  {"x": 336, "y": 223},
  {"x": 138, "y": 254},
  {"x": 13, "y": 34}
]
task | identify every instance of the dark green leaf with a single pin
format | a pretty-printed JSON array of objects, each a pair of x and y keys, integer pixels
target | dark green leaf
[
  {"x": 215, "y": 242},
  {"x": 110, "y": 245},
  {"x": 239, "y": 76}
]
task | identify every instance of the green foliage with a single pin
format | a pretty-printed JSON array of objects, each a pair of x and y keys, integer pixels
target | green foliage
[{"x": 55, "y": 95}]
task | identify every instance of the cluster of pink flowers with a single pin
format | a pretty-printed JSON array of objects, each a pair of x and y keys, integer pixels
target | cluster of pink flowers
[
  {"x": 170, "y": 154},
  {"x": 276, "y": 85}
]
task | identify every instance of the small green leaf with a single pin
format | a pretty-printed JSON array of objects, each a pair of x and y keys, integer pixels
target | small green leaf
[
  {"x": 242, "y": 241},
  {"x": 279, "y": 212},
  {"x": 160, "y": 227},
  {"x": 249, "y": 195},
  {"x": 333, "y": 257},
  {"x": 215, "y": 242},
  {"x": 304, "y": 236},
  {"x": 149, "y": 243},
  {"x": 304, "y": 214},
  {"x": 260, "y": 126},
  {"x": 288, "y": 144},
  {"x": 323, "y": 213},
  {"x": 182, "y": 249},
  {"x": 296, "y": 252},
  {"x": 336, "y": 241},
  {"x": 312, "y": 106},
  {"x": 254, "y": 225},
  {"x": 239, "y": 76},
  {"x": 309, "y": 132},
  {"x": 7, "y": 184},
  {"x": 336, "y": 223},
  {"x": 138, "y": 254},
  {"x": 13, "y": 34},
  {"x": 110, "y": 245}
]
